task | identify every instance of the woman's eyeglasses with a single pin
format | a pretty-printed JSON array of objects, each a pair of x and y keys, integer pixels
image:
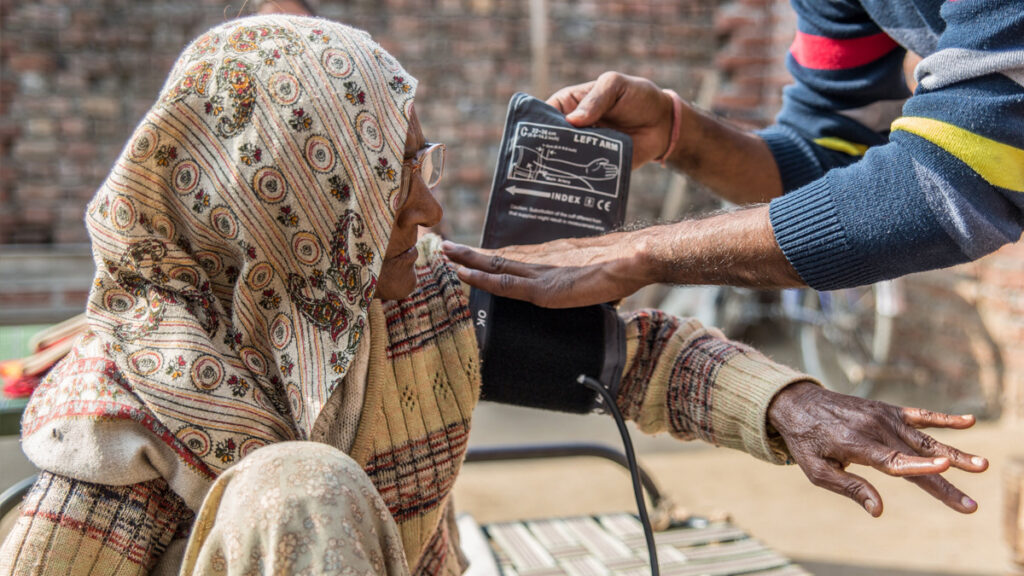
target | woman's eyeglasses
[{"x": 429, "y": 162}]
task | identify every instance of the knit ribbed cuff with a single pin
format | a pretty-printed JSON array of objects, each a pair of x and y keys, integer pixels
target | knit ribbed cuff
[
  {"x": 744, "y": 388},
  {"x": 793, "y": 155},
  {"x": 807, "y": 228}
]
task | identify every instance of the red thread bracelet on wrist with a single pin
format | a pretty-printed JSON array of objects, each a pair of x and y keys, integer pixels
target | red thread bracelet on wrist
[{"x": 677, "y": 120}]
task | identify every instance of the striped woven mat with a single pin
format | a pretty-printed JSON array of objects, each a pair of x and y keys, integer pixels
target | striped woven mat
[{"x": 614, "y": 544}]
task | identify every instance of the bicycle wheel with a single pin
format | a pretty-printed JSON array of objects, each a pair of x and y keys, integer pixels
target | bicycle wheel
[
  {"x": 846, "y": 335},
  {"x": 731, "y": 310}
]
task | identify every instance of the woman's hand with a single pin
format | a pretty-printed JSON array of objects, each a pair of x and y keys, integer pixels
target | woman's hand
[{"x": 826, "y": 431}]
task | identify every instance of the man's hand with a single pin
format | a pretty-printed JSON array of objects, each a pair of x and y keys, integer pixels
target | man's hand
[
  {"x": 735, "y": 249},
  {"x": 558, "y": 274},
  {"x": 826, "y": 431},
  {"x": 735, "y": 164},
  {"x": 634, "y": 106}
]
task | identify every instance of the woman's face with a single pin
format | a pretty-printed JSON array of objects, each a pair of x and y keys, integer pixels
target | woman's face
[{"x": 397, "y": 274}]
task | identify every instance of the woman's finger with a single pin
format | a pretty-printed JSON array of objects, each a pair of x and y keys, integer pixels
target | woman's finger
[
  {"x": 876, "y": 441},
  {"x": 925, "y": 445},
  {"x": 942, "y": 490},
  {"x": 829, "y": 474},
  {"x": 881, "y": 449},
  {"x": 921, "y": 418},
  {"x": 898, "y": 460}
]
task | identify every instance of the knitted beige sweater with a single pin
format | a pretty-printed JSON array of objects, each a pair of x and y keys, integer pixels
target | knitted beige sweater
[{"x": 423, "y": 384}]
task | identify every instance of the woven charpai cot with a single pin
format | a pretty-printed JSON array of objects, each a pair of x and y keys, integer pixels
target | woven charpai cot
[{"x": 614, "y": 545}]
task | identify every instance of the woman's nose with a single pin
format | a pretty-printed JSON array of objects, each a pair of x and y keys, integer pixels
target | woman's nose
[{"x": 426, "y": 210}]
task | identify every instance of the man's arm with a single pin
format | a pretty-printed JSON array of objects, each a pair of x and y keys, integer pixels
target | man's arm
[
  {"x": 735, "y": 248},
  {"x": 736, "y": 164},
  {"x": 730, "y": 248},
  {"x": 947, "y": 188}
]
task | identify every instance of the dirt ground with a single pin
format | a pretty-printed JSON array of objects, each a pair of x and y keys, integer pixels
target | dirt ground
[{"x": 828, "y": 534}]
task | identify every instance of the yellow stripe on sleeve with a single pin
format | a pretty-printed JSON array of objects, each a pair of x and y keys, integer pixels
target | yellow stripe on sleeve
[
  {"x": 999, "y": 164},
  {"x": 840, "y": 145}
]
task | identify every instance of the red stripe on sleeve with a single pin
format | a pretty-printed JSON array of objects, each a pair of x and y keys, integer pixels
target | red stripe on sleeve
[{"x": 821, "y": 53}]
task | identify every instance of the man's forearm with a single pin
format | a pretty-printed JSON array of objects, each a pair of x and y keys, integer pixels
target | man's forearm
[
  {"x": 737, "y": 165},
  {"x": 734, "y": 248}
]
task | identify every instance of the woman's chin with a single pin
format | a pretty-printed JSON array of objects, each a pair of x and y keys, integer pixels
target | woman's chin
[
  {"x": 397, "y": 277},
  {"x": 396, "y": 289}
]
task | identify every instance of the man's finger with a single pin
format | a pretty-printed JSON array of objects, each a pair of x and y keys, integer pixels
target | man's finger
[
  {"x": 567, "y": 99},
  {"x": 942, "y": 490},
  {"x": 830, "y": 476},
  {"x": 455, "y": 249},
  {"x": 597, "y": 101},
  {"x": 921, "y": 418},
  {"x": 478, "y": 258},
  {"x": 501, "y": 284},
  {"x": 926, "y": 445},
  {"x": 490, "y": 261}
]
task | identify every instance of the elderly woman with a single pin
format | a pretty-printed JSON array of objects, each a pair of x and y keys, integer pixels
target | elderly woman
[{"x": 279, "y": 377}]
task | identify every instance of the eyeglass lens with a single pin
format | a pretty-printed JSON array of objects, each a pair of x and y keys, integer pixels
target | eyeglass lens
[{"x": 432, "y": 166}]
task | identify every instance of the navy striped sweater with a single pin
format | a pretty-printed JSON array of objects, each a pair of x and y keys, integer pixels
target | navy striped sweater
[{"x": 880, "y": 183}]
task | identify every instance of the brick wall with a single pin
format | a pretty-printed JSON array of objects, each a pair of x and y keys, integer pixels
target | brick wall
[
  {"x": 76, "y": 77},
  {"x": 755, "y": 34}
]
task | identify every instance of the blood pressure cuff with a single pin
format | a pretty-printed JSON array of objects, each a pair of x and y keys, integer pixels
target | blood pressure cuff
[{"x": 552, "y": 180}]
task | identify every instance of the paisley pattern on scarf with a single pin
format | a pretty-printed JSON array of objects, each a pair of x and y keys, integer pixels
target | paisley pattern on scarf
[{"x": 238, "y": 240}]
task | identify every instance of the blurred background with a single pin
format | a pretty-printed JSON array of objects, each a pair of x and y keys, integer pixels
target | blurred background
[{"x": 76, "y": 77}]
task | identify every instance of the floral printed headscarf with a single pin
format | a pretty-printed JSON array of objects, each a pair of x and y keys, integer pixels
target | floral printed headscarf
[{"x": 238, "y": 240}]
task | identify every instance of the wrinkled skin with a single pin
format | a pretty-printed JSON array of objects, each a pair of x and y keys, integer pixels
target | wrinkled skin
[
  {"x": 826, "y": 431},
  {"x": 562, "y": 273},
  {"x": 733, "y": 249},
  {"x": 420, "y": 210}
]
